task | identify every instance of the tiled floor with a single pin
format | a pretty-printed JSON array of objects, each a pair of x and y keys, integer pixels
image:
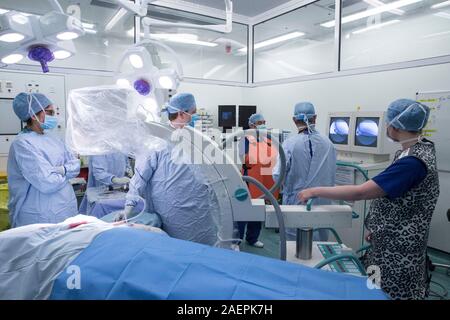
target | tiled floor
[{"x": 440, "y": 276}]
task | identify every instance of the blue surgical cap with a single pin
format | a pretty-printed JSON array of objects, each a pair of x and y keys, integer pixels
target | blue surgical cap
[
  {"x": 304, "y": 109},
  {"x": 21, "y": 103},
  {"x": 255, "y": 118},
  {"x": 181, "y": 102},
  {"x": 408, "y": 115}
]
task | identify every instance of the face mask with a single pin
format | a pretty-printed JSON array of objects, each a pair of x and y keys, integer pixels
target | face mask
[
  {"x": 50, "y": 123},
  {"x": 390, "y": 139},
  {"x": 194, "y": 118},
  {"x": 261, "y": 127}
]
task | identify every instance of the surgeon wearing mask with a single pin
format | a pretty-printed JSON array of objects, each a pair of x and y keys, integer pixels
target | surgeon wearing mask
[
  {"x": 39, "y": 166},
  {"x": 258, "y": 157},
  {"x": 106, "y": 170},
  {"x": 310, "y": 162},
  {"x": 404, "y": 197},
  {"x": 174, "y": 190}
]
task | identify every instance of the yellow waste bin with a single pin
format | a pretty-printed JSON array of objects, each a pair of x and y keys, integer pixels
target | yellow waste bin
[{"x": 4, "y": 213}]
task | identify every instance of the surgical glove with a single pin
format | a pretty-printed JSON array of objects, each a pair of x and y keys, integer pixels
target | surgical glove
[
  {"x": 124, "y": 214},
  {"x": 124, "y": 180},
  {"x": 60, "y": 170},
  {"x": 72, "y": 168}
]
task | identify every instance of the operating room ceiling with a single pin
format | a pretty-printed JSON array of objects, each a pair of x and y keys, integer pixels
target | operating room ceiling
[{"x": 248, "y": 8}]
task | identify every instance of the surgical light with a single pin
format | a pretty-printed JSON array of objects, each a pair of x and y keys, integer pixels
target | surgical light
[
  {"x": 166, "y": 82},
  {"x": 371, "y": 12},
  {"x": 150, "y": 104},
  {"x": 12, "y": 58},
  {"x": 20, "y": 18},
  {"x": 124, "y": 83},
  {"x": 68, "y": 35},
  {"x": 62, "y": 54},
  {"x": 142, "y": 86},
  {"x": 43, "y": 55},
  {"x": 12, "y": 37},
  {"x": 136, "y": 61}
]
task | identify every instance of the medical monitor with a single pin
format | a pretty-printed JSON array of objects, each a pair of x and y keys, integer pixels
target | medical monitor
[
  {"x": 369, "y": 134},
  {"x": 9, "y": 123},
  {"x": 227, "y": 116},
  {"x": 244, "y": 114},
  {"x": 339, "y": 130},
  {"x": 367, "y": 130}
]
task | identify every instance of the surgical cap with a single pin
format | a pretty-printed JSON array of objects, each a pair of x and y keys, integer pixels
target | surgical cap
[
  {"x": 408, "y": 115},
  {"x": 255, "y": 118},
  {"x": 181, "y": 102},
  {"x": 304, "y": 109},
  {"x": 21, "y": 102}
]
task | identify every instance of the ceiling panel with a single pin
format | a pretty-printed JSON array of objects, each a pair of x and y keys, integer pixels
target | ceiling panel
[{"x": 248, "y": 8}]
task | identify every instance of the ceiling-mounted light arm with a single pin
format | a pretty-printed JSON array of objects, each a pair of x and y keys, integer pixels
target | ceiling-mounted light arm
[
  {"x": 139, "y": 7},
  {"x": 225, "y": 28},
  {"x": 179, "y": 66},
  {"x": 56, "y": 6}
]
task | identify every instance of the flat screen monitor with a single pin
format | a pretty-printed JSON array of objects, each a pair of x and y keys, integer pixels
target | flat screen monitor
[
  {"x": 244, "y": 113},
  {"x": 367, "y": 131},
  {"x": 339, "y": 129},
  {"x": 227, "y": 116},
  {"x": 9, "y": 123}
]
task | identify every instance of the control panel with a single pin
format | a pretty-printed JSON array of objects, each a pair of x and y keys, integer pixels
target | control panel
[{"x": 13, "y": 83}]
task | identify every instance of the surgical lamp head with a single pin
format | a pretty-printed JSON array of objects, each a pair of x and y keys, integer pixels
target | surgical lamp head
[{"x": 42, "y": 39}]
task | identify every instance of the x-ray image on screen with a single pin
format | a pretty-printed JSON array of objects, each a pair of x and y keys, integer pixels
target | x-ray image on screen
[
  {"x": 367, "y": 130},
  {"x": 227, "y": 115},
  {"x": 339, "y": 127}
]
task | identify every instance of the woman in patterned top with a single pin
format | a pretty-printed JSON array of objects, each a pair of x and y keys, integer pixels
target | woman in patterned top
[{"x": 404, "y": 198}]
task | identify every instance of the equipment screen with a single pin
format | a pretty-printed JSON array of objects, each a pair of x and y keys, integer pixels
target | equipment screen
[
  {"x": 367, "y": 130},
  {"x": 227, "y": 116},
  {"x": 244, "y": 114},
  {"x": 339, "y": 127},
  {"x": 9, "y": 123}
]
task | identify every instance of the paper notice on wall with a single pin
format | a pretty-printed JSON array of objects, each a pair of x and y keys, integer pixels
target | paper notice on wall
[
  {"x": 345, "y": 176},
  {"x": 437, "y": 129}
]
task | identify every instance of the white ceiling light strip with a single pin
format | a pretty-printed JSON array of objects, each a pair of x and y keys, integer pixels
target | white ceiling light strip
[
  {"x": 440, "y": 5},
  {"x": 371, "y": 12},
  {"x": 266, "y": 43},
  {"x": 376, "y": 26}
]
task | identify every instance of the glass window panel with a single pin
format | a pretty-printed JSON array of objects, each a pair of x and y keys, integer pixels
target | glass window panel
[
  {"x": 98, "y": 49},
  {"x": 204, "y": 54},
  {"x": 376, "y": 32},
  {"x": 294, "y": 44}
]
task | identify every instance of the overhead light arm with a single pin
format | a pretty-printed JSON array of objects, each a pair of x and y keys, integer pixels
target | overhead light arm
[
  {"x": 139, "y": 7},
  {"x": 225, "y": 28},
  {"x": 56, "y": 6}
]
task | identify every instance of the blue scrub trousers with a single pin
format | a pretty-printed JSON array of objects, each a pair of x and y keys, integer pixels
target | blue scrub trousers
[{"x": 253, "y": 231}]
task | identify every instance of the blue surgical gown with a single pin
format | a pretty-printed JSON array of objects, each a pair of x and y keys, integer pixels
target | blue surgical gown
[
  {"x": 101, "y": 171},
  {"x": 310, "y": 162},
  {"x": 37, "y": 192},
  {"x": 178, "y": 193}
]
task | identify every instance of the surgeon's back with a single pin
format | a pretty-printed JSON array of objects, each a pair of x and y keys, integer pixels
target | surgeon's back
[
  {"x": 179, "y": 194},
  {"x": 311, "y": 162}
]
